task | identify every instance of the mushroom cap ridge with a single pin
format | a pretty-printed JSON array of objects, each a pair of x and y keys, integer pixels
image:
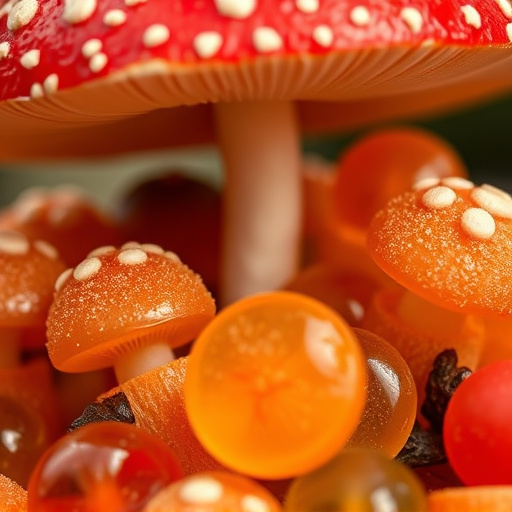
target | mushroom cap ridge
[
  {"x": 121, "y": 299},
  {"x": 292, "y": 53},
  {"x": 454, "y": 250}
]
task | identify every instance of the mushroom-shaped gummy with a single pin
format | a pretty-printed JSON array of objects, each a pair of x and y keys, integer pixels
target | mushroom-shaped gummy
[
  {"x": 449, "y": 243},
  {"x": 28, "y": 271},
  {"x": 135, "y": 63},
  {"x": 125, "y": 308}
]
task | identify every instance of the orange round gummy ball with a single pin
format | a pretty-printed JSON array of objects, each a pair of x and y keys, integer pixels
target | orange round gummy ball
[
  {"x": 102, "y": 466},
  {"x": 275, "y": 385}
]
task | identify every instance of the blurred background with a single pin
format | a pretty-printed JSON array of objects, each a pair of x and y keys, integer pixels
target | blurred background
[{"x": 481, "y": 134}]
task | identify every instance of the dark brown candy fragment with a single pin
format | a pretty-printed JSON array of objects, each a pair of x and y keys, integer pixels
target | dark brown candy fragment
[
  {"x": 423, "y": 448},
  {"x": 443, "y": 380},
  {"x": 112, "y": 408}
]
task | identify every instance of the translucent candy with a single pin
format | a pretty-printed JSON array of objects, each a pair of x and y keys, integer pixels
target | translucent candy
[
  {"x": 358, "y": 481},
  {"x": 102, "y": 466}
]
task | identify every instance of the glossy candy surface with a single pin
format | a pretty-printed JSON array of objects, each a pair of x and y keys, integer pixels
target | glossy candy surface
[
  {"x": 477, "y": 426},
  {"x": 214, "y": 491},
  {"x": 102, "y": 466},
  {"x": 492, "y": 498},
  {"x": 358, "y": 481},
  {"x": 275, "y": 385},
  {"x": 391, "y": 401},
  {"x": 349, "y": 293},
  {"x": 23, "y": 439},
  {"x": 384, "y": 164}
]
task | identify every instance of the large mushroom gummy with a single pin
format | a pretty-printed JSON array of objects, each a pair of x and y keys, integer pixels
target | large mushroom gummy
[{"x": 78, "y": 75}]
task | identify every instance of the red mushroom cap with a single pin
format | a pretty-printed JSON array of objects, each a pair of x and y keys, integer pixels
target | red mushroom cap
[
  {"x": 117, "y": 300},
  {"x": 28, "y": 271},
  {"x": 183, "y": 53}
]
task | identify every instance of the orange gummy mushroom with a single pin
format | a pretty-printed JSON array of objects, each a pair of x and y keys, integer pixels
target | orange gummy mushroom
[
  {"x": 63, "y": 216},
  {"x": 125, "y": 308},
  {"x": 275, "y": 385},
  {"x": 13, "y": 498},
  {"x": 214, "y": 491},
  {"x": 494, "y": 498},
  {"x": 448, "y": 243}
]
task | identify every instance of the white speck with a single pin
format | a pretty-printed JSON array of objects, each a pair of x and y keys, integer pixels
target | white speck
[
  {"x": 132, "y": 257},
  {"x": 201, "y": 490},
  {"x": 457, "y": 183},
  {"x": 100, "y": 251},
  {"x": 439, "y": 197},
  {"x": 51, "y": 83},
  {"x": 413, "y": 18},
  {"x": 30, "y": 59},
  {"x": 267, "y": 39},
  {"x": 91, "y": 47},
  {"x": 36, "y": 90},
  {"x": 152, "y": 248},
  {"x": 360, "y": 16},
  {"x": 506, "y": 7},
  {"x": 114, "y": 18},
  {"x": 478, "y": 223},
  {"x": 323, "y": 35},
  {"x": 131, "y": 3},
  {"x": 307, "y": 6},
  {"x": 62, "y": 279},
  {"x": 207, "y": 44},
  {"x": 46, "y": 249},
  {"x": 471, "y": 16},
  {"x": 5, "y": 48},
  {"x": 77, "y": 11},
  {"x": 98, "y": 62},
  {"x": 155, "y": 35},
  {"x": 87, "y": 269},
  {"x": 238, "y": 9},
  {"x": 22, "y": 14},
  {"x": 426, "y": 183},
  {"x": 13, "y": 243},
  {"x": 251, "y": 503},
  {"x": 492, "y": 201}
]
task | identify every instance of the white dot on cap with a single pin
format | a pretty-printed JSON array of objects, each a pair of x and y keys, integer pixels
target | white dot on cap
[
  {"x": 91, "y": 47},
  {"x": 155, "y": 35},
  {"x": 207, "y": 44},
  {"x": 478, "y": 223},
  {"x": 152, "y": 248},
  {"x": 51, "y": 83},
  {"x": 59, "y": 283},
  {"x": 506, "y": 7},
  {"x": 413, "y": 18},
  {"x": 439, "y": 197},
  {"x": 492, "y": 201},
  {"x": 267, "y": 39},
  {"x": 252, "y": 503},
  {"x": 22, "y": 14},
  {"x": 471, "y": 16},
  {"x": 100, "y": 251},
  {"x": 98, "y": 62},
  {"x": 114, "y": 17},
  {"x": 132, "y": 257},
  {"x": 14, "y": 243},
  {"x": 172, "y": 256},
  {"x": 46, "y": 249},
  {"x": 30, "y": 59},
  {"x": 323, "y": 35},
  {"x": 457, "y": 183},
  {"x": 77, "y": 11},
  {"x": 360, "y": 16},
  {"x": 131, "y": 3},
  {"x": 238, "y": 9},
  {"x": 426, "y": 183},
  {"x": 201, "y": 490},
  {"x": 307, "y": 6},
  {"x": 87, "y": 269},
  {"x": 5, "y": 48}
]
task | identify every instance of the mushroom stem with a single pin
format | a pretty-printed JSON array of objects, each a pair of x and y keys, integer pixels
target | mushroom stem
[
  {"x": 262, "y": 196},
  {"x": 146, "y": 358},
  {"x": 10, "y": 351},
  {"x": 430, "y": 319}
]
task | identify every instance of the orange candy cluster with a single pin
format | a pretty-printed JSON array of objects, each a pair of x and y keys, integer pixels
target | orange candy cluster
[{"x": 290, "y": 400}]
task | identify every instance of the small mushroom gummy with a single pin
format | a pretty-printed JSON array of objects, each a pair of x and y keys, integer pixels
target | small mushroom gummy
[
  {"x": 125, "y": 308},
  {"x": 448, "y": 242}
]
